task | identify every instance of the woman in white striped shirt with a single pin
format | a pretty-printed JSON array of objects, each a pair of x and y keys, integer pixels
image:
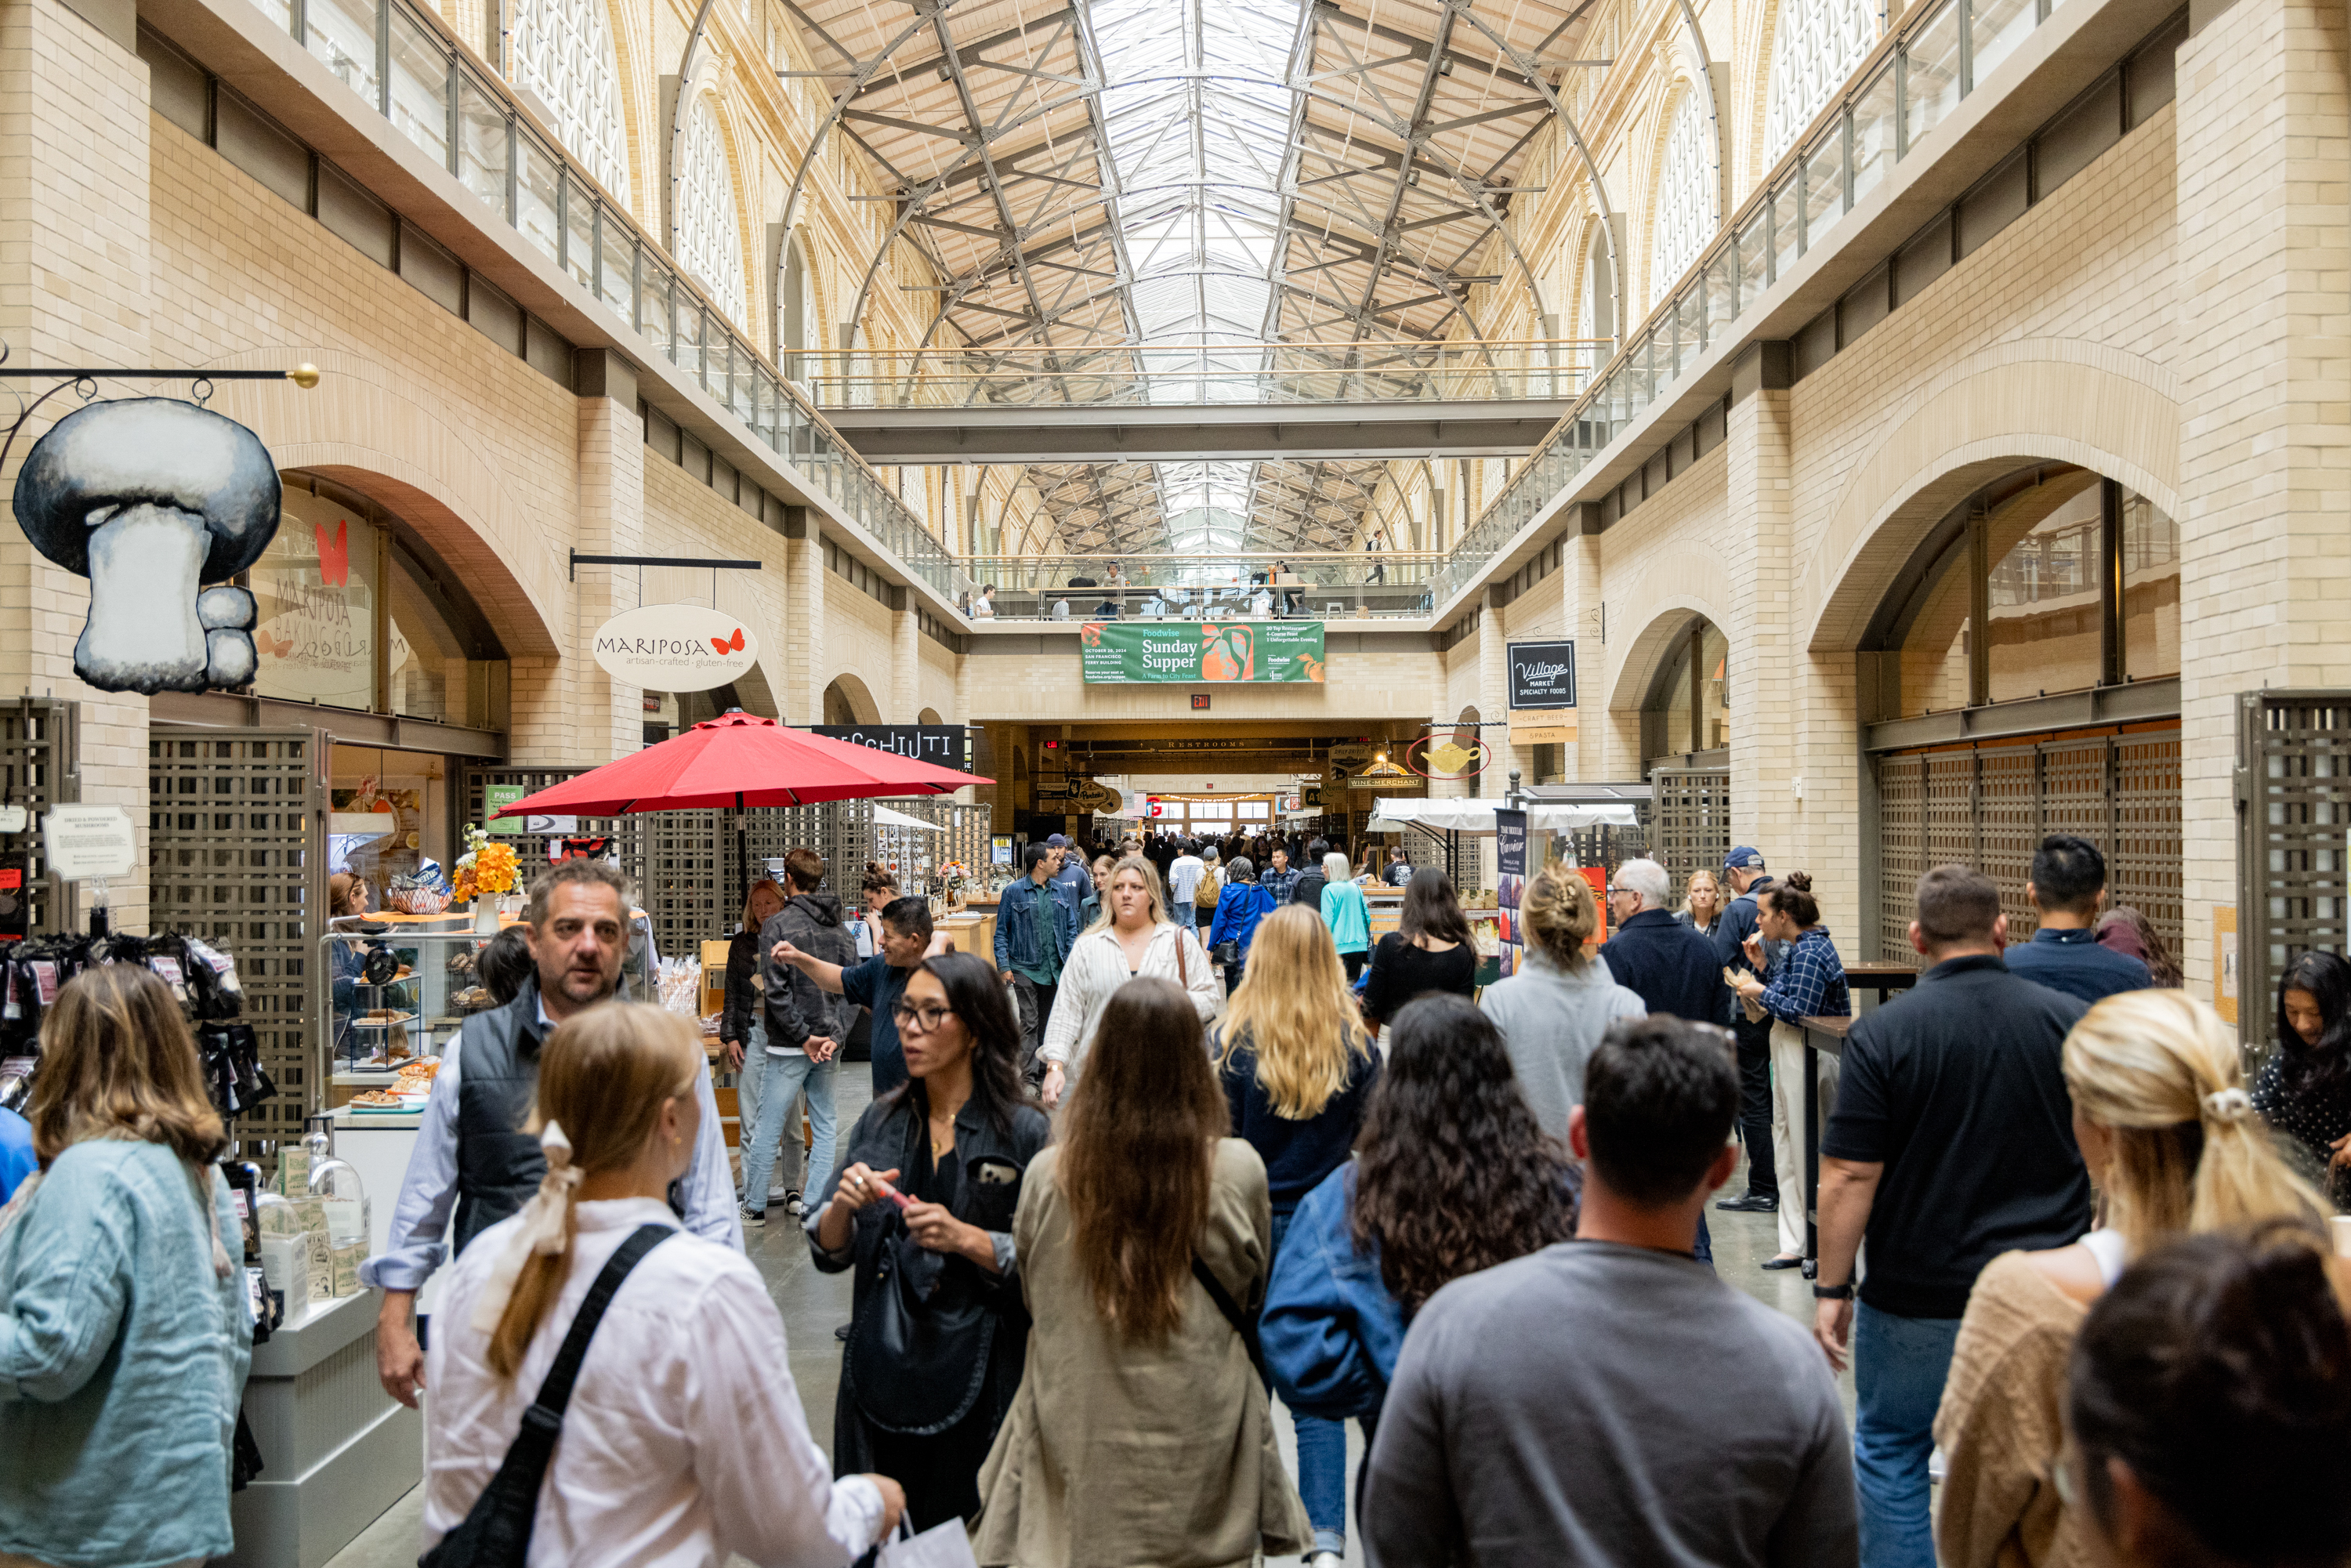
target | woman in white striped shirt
[{"x": 1134, "y": 937}]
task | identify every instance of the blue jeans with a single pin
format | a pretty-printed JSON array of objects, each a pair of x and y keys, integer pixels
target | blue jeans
[
  {"x": 1899, "y": 1365},
  {"x": 781, "y": 1080},
  {"x": 1705, "y": 1248},
  {"x": 1321, "y": 1461}
]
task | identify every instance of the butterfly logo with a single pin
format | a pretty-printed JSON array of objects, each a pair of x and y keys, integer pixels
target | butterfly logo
[
  {"x": 725, "y": 645},
  {"x": 334, "y": 555}
]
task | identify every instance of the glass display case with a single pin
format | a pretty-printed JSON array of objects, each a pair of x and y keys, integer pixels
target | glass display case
[{"x": 399, "y": 990}]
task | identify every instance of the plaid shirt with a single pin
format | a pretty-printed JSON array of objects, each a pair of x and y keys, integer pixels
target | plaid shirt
[{"x": 1808, "y": 981}]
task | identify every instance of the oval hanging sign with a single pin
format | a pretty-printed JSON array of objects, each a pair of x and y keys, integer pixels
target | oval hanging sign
[{"x": 675, "y": 647}]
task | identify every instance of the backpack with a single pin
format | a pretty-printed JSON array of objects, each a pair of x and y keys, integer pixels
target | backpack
[{"x": 1205, "y": 891}]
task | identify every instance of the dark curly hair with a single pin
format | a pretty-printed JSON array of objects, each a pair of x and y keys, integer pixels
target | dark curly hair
[{"x": 1453, "y": 1174}]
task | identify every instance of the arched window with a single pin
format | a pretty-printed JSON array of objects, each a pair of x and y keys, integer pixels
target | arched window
[
  {"x": 1688, "y": 707},
  {"x": 709, "y": 234},
  {"x": 1816, "y": 46},
  {"x": 1686, "y": 184},
  {"x": 563, "y": 62},
  {"x": 792, "y": 311}
]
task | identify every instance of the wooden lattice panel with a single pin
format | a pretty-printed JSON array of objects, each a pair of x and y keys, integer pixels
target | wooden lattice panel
[
  {"x": 1690, "y": 820},
  {"x": 2294, "y": 754}
]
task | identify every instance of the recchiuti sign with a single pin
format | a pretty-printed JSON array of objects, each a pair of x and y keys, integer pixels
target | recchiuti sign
[{"x": 1197, "y": 652}]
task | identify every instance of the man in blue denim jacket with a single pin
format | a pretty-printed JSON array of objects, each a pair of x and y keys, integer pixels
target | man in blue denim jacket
[{"x": 1030, "y": 946}]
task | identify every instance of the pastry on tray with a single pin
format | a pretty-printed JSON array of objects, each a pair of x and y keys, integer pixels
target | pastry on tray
[{"x": 379, "y": 1099}]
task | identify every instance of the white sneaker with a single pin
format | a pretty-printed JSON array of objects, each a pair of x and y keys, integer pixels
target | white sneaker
[{"x": 1325, "y": 1560}]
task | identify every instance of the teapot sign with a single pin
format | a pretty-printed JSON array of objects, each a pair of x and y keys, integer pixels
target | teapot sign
[
  {"x": 1446, "y": 759},
  {"x": 676, "y": 648}
]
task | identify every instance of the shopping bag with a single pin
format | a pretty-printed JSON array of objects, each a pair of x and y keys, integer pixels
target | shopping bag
[{"x": 944, "y": 1545}]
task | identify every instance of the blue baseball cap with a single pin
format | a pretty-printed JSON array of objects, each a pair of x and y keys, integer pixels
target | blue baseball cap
[
  {"x": 1061, "y": 842},
  {"x": 1744, "y": 858}
]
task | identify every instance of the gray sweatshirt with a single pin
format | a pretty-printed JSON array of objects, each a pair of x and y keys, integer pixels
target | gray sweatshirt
[
  {"x": 1552, "y": 1020},
  {"x": 1600, "y": 1405}
]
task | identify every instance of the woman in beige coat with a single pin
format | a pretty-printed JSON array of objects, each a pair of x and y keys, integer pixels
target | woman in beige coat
[{"x": 1142, "y": 1434}]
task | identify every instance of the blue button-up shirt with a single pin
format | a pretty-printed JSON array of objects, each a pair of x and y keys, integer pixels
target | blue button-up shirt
[
  {"x": 2073, "y": 962},
  {"x": 1808, "y": 981}
]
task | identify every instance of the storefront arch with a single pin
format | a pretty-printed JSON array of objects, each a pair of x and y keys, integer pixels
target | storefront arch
[
  {"x": 2048, "y": 401},
  {"x": 846, "y": 701}
]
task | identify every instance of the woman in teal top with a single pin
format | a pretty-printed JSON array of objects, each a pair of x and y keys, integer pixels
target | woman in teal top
[
  {"x": 1344, "y": 911},
  {"x": 124, "y": 1332}
]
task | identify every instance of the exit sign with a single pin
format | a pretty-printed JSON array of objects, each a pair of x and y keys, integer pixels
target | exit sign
[{"x": 1199, "y": 702}]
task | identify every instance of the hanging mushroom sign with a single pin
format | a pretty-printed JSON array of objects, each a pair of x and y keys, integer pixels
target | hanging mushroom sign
[{"x": 152, "y": 499}]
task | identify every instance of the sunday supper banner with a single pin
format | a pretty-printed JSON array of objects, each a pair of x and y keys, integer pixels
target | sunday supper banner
[{"x": 1192, "y": 652}]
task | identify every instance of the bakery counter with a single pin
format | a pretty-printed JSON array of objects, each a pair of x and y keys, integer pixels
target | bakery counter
[{"x": 336, "y": 1450}]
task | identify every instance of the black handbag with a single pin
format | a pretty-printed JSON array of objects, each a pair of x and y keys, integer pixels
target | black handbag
[
  {"x": 917, "y": 1360},
  {"x": 496, "y": 1532}
]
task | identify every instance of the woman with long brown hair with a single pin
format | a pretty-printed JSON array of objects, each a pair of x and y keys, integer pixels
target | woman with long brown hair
[
  {"x": 1452, "y": 1174},
  {"x": 1297, "y": 1068},
  {"x": 1142, "y": 1432},
  {"x": 2172, "y": 1140},
  {"x": 124, "y": 1328},
  {"x": 683, "y": 1440}
]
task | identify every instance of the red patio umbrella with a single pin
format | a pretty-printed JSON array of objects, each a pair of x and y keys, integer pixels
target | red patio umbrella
[{"x": 736, "y": 761}]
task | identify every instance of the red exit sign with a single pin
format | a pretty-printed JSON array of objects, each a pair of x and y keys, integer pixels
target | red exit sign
[{"x": 1199, "y": 702}]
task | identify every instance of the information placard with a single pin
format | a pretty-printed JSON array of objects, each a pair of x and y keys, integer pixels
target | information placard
[
  {"x": 1195, "y": 652},
  {"x": 86, "y": 841}
]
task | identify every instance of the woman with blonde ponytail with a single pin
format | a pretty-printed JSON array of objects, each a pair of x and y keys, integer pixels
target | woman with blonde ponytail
[
  {"x": 2173, "y": 1143},
  {"x": 683, "y": 1440}
]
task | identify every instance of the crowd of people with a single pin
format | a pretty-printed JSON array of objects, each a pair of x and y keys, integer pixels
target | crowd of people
[{"x": 1167, "y": 1155}]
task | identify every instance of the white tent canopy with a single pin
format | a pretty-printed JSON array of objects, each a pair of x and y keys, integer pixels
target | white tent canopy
[
  {"x": 885, "y": 817},
  {"x": 1393, "y": 814}
]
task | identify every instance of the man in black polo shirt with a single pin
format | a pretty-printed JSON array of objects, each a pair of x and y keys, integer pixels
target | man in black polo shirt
[{"x": 1952, "y": 1142}]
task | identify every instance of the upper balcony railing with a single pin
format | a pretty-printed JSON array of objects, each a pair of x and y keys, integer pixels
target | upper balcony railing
[
  {"x": 1911, "y": 83},
  {"x": 403, "y": 62},
  {"x": 1238, "y": 373},
  {"x": 1333, "y": 585}
]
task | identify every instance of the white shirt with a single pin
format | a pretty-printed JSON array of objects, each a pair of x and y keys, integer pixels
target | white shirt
[
  {"x": 982, "y": 607},
  {"x": 1184, "y": 877},
  {"x": 413, "y": 1248},
  {"x": 684, "y": 1442},
  {"x": 1097, "y": 968}
]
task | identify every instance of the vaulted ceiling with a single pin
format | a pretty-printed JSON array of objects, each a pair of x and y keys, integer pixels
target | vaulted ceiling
[{"x": 1172, "y": 200}]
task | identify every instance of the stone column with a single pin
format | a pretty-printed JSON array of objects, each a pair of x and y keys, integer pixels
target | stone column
[
  {"x": 73, "y": 289},
  {"x": 905, "y": 657},
  {"x": 607, "y": 715},
  {"x": 2265, "y": 444},
  {"x": 803, "y": 701},
  {"x": 1765, "y": 689}
]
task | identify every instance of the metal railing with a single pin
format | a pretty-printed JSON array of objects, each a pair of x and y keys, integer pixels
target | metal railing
[
  {"x": 1137, "y": 374},
  {"x": 405, "y": 62},
  {"x": 1911, "y": 83},
  {"x": 1321, "y": 585}
]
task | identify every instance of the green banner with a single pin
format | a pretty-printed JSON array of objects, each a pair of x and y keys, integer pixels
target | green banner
[{"x": 1201, "y": 652}]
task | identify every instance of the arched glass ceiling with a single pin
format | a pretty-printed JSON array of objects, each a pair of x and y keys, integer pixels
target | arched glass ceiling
[{"x": 1199, "y": 179}]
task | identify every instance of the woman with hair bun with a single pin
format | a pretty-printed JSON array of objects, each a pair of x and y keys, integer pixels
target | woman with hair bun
[
  {"x": 2208, "y": 1402},
  {"x": 683, "y": 1440},
  {"x": 1807, "y": 980},
  {"x": 2163, "y": 1124},
  {"x": 1553, "y": 1011}
]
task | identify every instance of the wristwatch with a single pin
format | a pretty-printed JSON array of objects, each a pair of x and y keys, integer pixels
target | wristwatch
[{"x": 1833, "y": 1292}]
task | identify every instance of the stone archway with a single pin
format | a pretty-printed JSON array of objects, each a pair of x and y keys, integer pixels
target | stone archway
[{"x": 847, "y": 701}]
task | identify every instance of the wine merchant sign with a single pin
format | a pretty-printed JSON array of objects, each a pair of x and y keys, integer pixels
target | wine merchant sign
[{"x": 1196, "y": 652}]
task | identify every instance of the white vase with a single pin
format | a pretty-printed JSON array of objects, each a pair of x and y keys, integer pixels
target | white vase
[{"x": 486, "y": 916}]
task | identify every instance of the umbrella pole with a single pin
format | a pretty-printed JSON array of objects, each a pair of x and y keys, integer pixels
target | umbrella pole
[{"x": 742, "y": 847}]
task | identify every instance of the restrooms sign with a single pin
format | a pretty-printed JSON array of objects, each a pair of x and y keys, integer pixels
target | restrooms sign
[{"x": 676, "y": 648}]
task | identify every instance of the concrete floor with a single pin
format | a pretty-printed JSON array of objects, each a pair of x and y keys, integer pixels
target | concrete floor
[{"x": 813, "y": 1304}]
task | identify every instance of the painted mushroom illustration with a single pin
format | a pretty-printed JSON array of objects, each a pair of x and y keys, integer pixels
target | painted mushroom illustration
[{"x": 150, "y": 498}]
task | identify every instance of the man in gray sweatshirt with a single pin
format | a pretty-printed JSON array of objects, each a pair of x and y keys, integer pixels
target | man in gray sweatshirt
[{"x": 1607, "y": 1400}]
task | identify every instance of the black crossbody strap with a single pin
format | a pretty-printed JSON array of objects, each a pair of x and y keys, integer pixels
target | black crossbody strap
[
  {"x": 1243, "y": 1325},
  {"x": 496, "y": 1532}
]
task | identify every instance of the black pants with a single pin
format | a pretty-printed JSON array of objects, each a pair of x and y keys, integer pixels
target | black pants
[
  {"x": 1354, "y": 962},
  {"x": 1036, "y": 1010},
  {"x": 1755, "y": 1104}
]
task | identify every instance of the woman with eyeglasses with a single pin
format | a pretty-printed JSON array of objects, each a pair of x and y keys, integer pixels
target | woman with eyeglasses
[{"x": 922, "y": 1210}]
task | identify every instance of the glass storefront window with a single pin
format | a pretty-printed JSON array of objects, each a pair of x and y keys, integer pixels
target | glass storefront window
[
  {"x": 1666, "y": 730},
  {"x": 2044, "y": 621},
  {"x": 315, "y": 588},
  {"x": 2150, "y": 548},
  {"x": 1935, "y": 653}
]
